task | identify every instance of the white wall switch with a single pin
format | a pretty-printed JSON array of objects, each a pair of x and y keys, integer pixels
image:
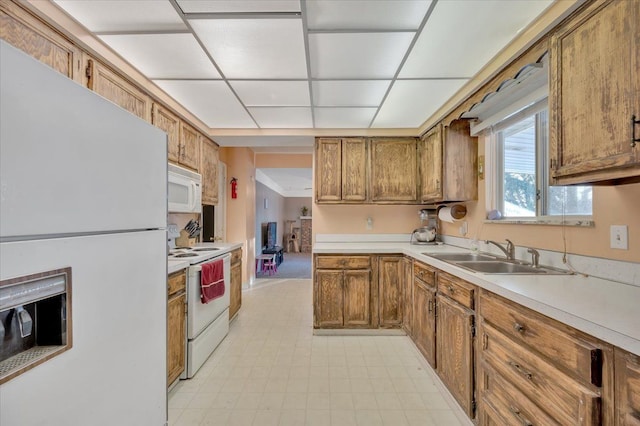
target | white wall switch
[{"x": 619, "y": 237}]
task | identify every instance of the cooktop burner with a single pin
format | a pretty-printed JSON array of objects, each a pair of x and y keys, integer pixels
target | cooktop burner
[
  {"x": 185, "y": 255},
  {"x": 205, "y": 249}
]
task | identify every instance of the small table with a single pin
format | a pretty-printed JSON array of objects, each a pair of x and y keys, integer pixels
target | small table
[
  {"x": 260, "y": 259},
  {"x": 277, "y": 250}
]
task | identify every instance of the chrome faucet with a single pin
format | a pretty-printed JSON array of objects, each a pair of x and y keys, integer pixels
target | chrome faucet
[
  {"x": 509, "y": 252},
  {"x": 535, "y": 257}
]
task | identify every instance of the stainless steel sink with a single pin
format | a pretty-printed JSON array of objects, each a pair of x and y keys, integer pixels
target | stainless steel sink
[{"x": 460, "y": 257}]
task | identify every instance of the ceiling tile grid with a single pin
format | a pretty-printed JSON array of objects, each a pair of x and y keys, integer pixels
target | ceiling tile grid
[{"x": 307, "y": 63}]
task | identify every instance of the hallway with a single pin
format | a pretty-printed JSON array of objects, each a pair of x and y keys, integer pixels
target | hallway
[{"x": 271, "y": 370}]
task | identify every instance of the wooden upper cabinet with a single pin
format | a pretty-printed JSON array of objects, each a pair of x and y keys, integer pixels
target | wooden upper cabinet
[
  {"x": 115, "y": 88},
  {"x": 341, "y": 166},
  {"x": 594, "y": 93},
  {"x": 627, "y": 370},
  {"x": 209, "y": 170},
  {"x": 170, "y": 123},
  {"x": 29, "y": 34},
  {"x": 190, "y": 142},
  {"x": 393, "y": 170},
  {"x": 448, "y": 162}
]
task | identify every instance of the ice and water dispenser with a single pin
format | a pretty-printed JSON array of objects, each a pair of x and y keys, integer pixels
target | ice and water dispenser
[{"x": 35, "y": 320}]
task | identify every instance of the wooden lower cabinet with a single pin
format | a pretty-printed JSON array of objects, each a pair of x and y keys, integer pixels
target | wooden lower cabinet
[
  {"x": 343, "y": 294},
  {"x": 235, "y": 287},
  {"x": 407, "y": 296},
  {"x": 390, "y": 284},
  {"x": 627, "y": 368},
  {"x": 424, "y": 319},
  {"x": 176, "y": 325},
  {"x": 454, "y": 351}
]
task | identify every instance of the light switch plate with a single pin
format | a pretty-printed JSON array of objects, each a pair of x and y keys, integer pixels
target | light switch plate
[{"x": 619, "y": 237}]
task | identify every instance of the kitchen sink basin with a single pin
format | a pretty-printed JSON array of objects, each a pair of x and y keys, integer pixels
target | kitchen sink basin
[{"x": 460, "y": 257}]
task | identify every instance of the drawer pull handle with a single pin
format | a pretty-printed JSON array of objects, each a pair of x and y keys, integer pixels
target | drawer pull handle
[
  {"x": 522, "y": 371},
  {"x": 519, "y": 327},
  {"x": 430, "y": 306},
  {"x": 451, "y": 289},
  {"x": 519, "y": 415}
]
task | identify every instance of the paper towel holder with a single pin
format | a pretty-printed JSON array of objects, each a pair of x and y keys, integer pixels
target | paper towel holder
[{"x": 455, "y": 211}]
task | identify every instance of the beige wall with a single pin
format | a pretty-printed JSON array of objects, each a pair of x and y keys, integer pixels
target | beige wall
[
  {"x": 615, "y": 205},
  {"x": 291, "y": 161},
  {"x": 241, "y": 212}
]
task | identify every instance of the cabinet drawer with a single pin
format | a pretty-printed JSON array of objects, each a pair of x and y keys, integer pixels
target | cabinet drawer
[
  {"x": 562, "y": 397},
  {"x": 456, "y": 289},
  {"x": 176, "y": 282},
  {"x": 553, "y": 340},
  {"x": 509, "y": 406},
  {"x": 236, "y": 256},
  {"x": 343, "y": 262},
  {"x": 425, "y": 273}
]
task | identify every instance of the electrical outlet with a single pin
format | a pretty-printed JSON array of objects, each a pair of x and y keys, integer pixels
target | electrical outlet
[
  {"x": 619, "y": 237},
  {"x": 463, "y": 228},
  {"x": 369, "y": 224}
]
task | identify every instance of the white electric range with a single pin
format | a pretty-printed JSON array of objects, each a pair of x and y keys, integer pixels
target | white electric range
[{"x": 207, "y": 324}]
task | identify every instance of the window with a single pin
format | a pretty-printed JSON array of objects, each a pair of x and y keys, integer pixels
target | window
[{"x": 522, "y": 180}]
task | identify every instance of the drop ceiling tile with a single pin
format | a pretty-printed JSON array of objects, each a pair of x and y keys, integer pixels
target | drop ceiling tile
[
  {"x": 411, "y": 102},
  {"x": 255, "y": 48},
  {"x": 371, "y": 15},
  {"x": 235, "y": 6},
  {"x": 349, "y": 93},
  {"x": 338, "y": 118},
  {"x": 163, "y": 55},
  {"x": 460, "y": 37},
  {"x": 282, "y": 117},
  {"x": 272, "y": 93},
  {"x": 211, "y": 101},
  {"x": 357, "y": 55},
  {"x": 124, "y": 15}
]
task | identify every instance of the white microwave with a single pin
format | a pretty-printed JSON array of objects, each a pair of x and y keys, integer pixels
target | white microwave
[{"x": 184, "y": 191}]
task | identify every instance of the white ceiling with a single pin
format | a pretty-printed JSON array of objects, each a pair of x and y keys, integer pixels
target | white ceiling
[{"x": 291, "y": 64}]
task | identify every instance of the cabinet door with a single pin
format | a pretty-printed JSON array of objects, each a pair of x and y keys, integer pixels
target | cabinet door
[
  {"x": 113, "y": 87},
  {"x": 328, "y": 169},
  {"x": 176, "y": 336},
  {"x": 354, "y": 169},
  {"x": 430, "y": 160},
  {"x": 424, "y": 320},
  {"x": 190, "y": 141},
  {"x": 627, "y": 370},
  {"x": 594, "y": 92},
  {"x": 390, "y": 277},
  {"x": 164, "y": 119},
  {"x": 357, "y": 297},
  {"x": 329, "y": 298},
  {"x": 454, "y": 351},
  {"x": 235, "y": 289},
  {"x": 209, "y": 170},
  {"x": 393, "y": 170},
  {"x": 407, "y": 296},
  {"x": 27, "y": 33}
]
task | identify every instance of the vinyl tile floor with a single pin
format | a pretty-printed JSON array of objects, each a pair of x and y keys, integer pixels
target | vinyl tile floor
[{"x": 272, "y": 370}]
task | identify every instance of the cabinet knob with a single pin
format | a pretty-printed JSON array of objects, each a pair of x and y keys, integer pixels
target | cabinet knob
[
  {"x": 519, "y": 327},
  {"x": 518, "y": 414},
  {"x": 521, "y": 371},
  {"x": 451, "y": 289}
]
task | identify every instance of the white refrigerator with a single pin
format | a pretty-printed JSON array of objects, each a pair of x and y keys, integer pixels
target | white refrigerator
[{"x": 83, "y": 186}]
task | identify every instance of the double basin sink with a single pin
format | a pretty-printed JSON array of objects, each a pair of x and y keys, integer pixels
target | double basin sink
[{"x": 487, "y": 264}]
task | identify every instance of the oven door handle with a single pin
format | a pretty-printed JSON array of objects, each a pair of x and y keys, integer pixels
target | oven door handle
[{"x": 198, "y": 267}]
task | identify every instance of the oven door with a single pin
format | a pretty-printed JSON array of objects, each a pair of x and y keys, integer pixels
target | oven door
[{"x": 200, "y": 315}]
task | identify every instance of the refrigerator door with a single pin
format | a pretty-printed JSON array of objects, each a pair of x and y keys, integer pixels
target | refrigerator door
[
  {"x": 70, "y": 161},
  {"x": 115, "y": 372}
]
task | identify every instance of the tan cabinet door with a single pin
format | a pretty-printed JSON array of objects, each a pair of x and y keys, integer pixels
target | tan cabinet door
[
  {"x": 115, "y": 88},
  {"x": 393, "y": 170},
  {"x": 165, "y": 120},
  {"x": 190, "y": 141},
  {"x": 27, "y": 33},
  {"x": 357, "y": 297},
  {"x": 329, "y": 298},
  {"x": 424, "y": 320},
  {"x": 235, "y": 289},
  {"x": 594, "y": 92},
  {"x": 627, "y": 370},
  {"x": 407, "y": 295},
  {"x": 175, "y": 336},
  {"x": 209, "y": 170},
  {"x": 354, "y": 169},
  {"x": 430, "y": 160},
  {"x": 390, "y": 283},
  {"x": 328, "y": 169},
  {"x": 454, "y": 351}
]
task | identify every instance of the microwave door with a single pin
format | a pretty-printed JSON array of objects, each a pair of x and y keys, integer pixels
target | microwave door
[{"x": 180, "y": 195}]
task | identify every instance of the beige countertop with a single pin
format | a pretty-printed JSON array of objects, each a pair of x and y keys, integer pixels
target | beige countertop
[{"x": 604, "y": 309}]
